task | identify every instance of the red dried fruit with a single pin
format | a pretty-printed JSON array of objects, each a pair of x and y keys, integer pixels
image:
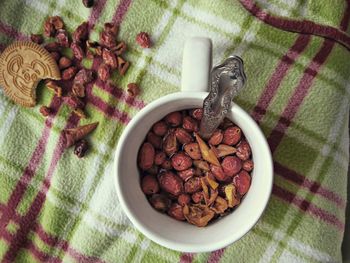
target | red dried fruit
[
  {"x": 119, "y": 49},
  {"x": 159, "y": 158},
  {"x": 84, "y": 76},
  {"x": 190, "y": 124},
  {"x": 173, "y": 119},
  {"x": 49, "y": 29},
  {"x": 155, "y": 140},
  {"x": 143, "y": 40},
  {"x": 146, "y": 156},
  {"x": 109, "y": 58},
  {"x": 111, "y": 28},
  {"x": 81, "y": 33},
  {"x": 45, "y": 111},
  {"x": 64, "y": 62},
  {"x": 186, "y": 174},
  {"x": 62, "y": 38},
  {"x": 78, "y": 52},
  {"x": 160, "y": 202},
  {"x": 231, "y": 165},
  {"x": 193, "y": 185},
  {"x": 184, "y": 199},
  {"x": 170, "y": 145},
  {"x": 160, "y": 128},
  {"x": 216, "y": 138},
  {"x": 183, "y": 136},
  {"x": 218, "y": 173},
  {"x": 107, "y": 39},
  {"x": 248, "y": 165},
  {"x": 78, "y": 90},
  {"x": 198, "y": 214},
  {"x": 243, "y": 150},
  {"x": 57, "y": 22},
  {"x": 52, "y": 47},
  {"x": 197, "y": 197},
  {"x": 180, "y": 161},
  {"x": 149, "y": 185},
  {"x": 175, "y": 211},
  {"x": 69, "y": 73},
  {"x": 74, "y": 102},
  {"x": 232, "y": 135},
  {"x": 170, "y": 183},
  {"x": 242, "y": 182},
  {"x": 36, "y": 38},
  {"x": 104, "y": 72},
  {"x": 192, "y": 149},
  {"x": 56, "y": 56},
  {"x": 133, "y": 90},
  {"x": 71, "y": 136},
  {"x": 197, "y": 113},
  {"x": 81, "y": 148},
  {"x": 167, "y": 165}
]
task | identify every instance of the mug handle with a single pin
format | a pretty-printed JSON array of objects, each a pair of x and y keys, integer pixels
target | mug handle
[{"x": 196, "y": 64}]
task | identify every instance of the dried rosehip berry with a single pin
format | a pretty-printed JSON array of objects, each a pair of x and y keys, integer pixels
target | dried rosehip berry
[
  {"x": 180, "y": 161},
  {"x": 62, "y": 38},
  {"x": 78, "y": 52},
  {"x": 107, "y": 39},
  {"x": 78, "y": 90},
  {"x": 174, "y": 119},
  {"x": 232, "y": 135},
  {"x": 155, "y": 140},
  {"x": 248, "y": 165},
  {"x": 159, "y": 158},
  {"x": 166, "y": 165},
  {"x": 216, "y": 138},
  {"x": 192, "y": 149},
  {"x": 190, "y": 124},
  {"x": 149, "y": 185},
  {"x": 153, "y": 170},
  {"x": 160, "y": 128},
  {"x": 183, "y": 136},
  {"x": 74, "y": 102},
  {"x": 175, "y": 211},
  {"x": 170, "y": 145},
  {"x": 69, "y": 73},
  {"x": 88, "y": 3},
  {"x": 57, "y": 22},
  {"x": 84, "y": 76},
  {"x": 36, "y": 38},
  {"x": 184, "y": 199},
  {"x": 56, "y": 56},
  {"x": 81, "y": 148},
  {"x": 146, "y": 156},
  {"x": 186, "y": 174},
  {"x": 109, "y": 58},
  {"x": 143, "y": 40},
  {"x": 104, "y": 72},
  {"x": 243, "y": 150},
  {"x": 133, "y": 90},
  {"x": 52, "y": 47},
  {"x": 45, "y": 111},
  {"x": 197, "y": 197},
  {"x": 64, "y": 62},
  {"x": 218, "y": 173},
  {"x": 193, "y": 185},
  {"x": 111, "y": 28},
  {"x": 81, "y": 34},
  {"x": 197, "y": 113},
  {"x": 49, "y": 29},
  {"x": 231, "y": 165},
  {"x": 170, "y": 183},
  {"x": 160, "y": 202},
  {"x": 242, "y": 182}
]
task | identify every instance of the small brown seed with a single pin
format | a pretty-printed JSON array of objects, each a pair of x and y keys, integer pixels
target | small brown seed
[
  {"x": 109, "y": 58},
  {"x": 111, "y": 28},
  {"x": 81, "y": 148},
  {"x": 143, "y": 39},
  {"x": 104, "y": 72},
  {"x": 78, "y": 90},
  {"x": 69, "y": 73},
  {"x": 64, "y": 62},
  {"x": 78, "y": 52},
  {"x": 36, "y": 38},
  {"x": 45, "y": 111},
  {"x": 57, "y": 22},
  {"x": 81, "y": 34},
  {"x": 62, "y": 38},
  {"x": 133, "y": 90}
]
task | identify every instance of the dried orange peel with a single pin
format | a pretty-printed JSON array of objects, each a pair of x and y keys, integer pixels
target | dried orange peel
[{"x": 207, "y": 154}]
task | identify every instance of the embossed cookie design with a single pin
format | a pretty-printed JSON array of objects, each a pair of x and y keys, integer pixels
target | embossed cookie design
[{"x": 22, "y": 65}]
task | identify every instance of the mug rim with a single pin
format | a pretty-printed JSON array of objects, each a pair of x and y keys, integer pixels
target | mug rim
[{"x": 183, "y": 246}]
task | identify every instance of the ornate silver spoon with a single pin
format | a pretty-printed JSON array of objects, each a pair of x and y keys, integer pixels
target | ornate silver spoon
[{"x": 227, "y": 79}]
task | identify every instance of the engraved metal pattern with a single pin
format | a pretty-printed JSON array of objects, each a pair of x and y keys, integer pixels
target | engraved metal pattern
[{"x": 227, "y": 79}]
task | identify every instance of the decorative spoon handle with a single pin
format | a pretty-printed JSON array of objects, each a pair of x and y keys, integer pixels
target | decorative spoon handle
[{"x": 227, "y": 79}]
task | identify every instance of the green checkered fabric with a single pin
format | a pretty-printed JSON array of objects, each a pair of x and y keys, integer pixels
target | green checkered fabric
[{"x": 54, "y": 207}]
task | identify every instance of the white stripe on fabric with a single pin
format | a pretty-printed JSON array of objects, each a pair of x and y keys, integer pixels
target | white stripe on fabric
[
  {"x": 270, "y": 251},
  {"x": 39, "y": 5},
  {"x": 209, "y": 18},
  {"x": 6, "y": 126},
  {"x": 271, "y": 7},
  {"x": 290, "y": 258}
]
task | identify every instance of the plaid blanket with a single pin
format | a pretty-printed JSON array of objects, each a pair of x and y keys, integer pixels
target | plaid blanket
[{"x": 54, "y": 207}]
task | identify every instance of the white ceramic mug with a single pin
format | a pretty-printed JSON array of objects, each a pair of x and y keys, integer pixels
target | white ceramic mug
[{"x": 159, "y": 227}]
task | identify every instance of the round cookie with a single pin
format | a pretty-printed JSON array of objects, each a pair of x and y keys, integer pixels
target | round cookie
[{"x": 22, "y": 65}]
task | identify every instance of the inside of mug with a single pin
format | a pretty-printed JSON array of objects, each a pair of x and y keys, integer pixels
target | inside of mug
[{"x": 182, "y": 235}]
